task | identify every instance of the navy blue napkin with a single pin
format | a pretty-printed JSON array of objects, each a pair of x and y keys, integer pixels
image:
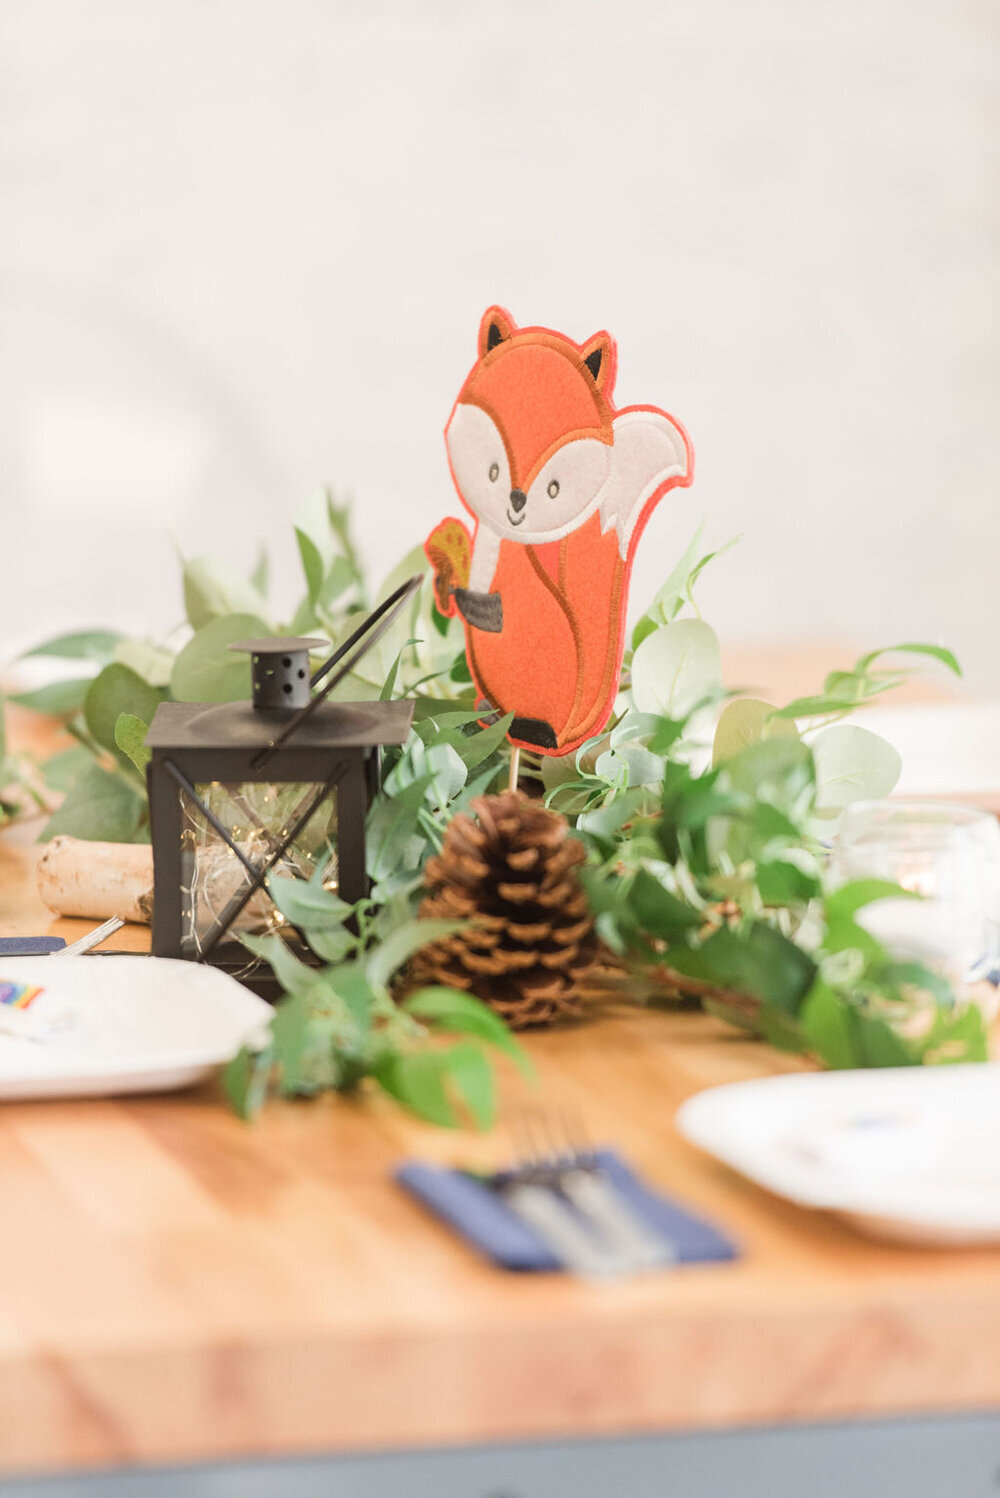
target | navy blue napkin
[
  {"x": 481, "y": 1217},
  {"x": 30, "y": 946}
]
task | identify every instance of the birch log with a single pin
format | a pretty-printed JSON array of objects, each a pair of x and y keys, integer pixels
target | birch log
[{"x": 97, "y": 880}]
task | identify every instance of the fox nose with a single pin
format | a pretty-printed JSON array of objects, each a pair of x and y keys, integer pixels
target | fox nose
[{"x": 518, "y": 500}]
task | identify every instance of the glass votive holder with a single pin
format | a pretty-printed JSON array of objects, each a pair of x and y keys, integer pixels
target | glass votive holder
[{"x": 949, "y": 854}]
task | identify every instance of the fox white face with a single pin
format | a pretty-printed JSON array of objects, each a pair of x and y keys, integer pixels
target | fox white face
[{"x": 561, "y": 496}]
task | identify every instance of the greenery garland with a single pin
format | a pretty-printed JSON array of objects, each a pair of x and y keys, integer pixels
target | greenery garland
[{"x": 705, "y": 863}]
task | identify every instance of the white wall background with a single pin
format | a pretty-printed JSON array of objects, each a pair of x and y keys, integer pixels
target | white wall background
[{"x": 245, "y": 244}]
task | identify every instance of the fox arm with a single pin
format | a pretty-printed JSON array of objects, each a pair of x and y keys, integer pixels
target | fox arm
[
  {"x": 477, "y": 605},
  {"x": 648, "y": 452}
]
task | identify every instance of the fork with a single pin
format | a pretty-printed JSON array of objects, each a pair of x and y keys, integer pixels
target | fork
[
  {"x": 92, "y": 938},
  {"x": 559, "y": 1163},
  {"x": 584, "y": 1181}
]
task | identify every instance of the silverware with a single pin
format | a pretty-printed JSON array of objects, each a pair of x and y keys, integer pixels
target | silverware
[
  {"x": 561, "y": 1188},
  {"x": 92, "y": 938}
]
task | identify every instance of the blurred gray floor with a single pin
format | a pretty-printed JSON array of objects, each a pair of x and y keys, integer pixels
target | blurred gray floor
[{"x": 934, "y": 1458}]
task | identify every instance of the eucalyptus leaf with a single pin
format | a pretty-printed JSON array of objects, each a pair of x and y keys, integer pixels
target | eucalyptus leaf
[
  {"x": 130, "y": 738},
  {"x": 392, "y": 823},
  {"x": 214, "y": 589},
  {"x": 115, "y": 691},
  {"x": 100, "y": 807},
  {"x": 676, "y": 668},
  {"x": 58, "y": 698},
  {"x": 293, "y": 975},
  {"x": 453, "y": 1012},
  {"x": 206, "y": 670},
  {"x": 853, "y": 764},
  {"x": 307, "y": 905},
  {"x": 385, "y": 960},
  {"x": 83, "y": 645},
  {"x": 62, "y": 770},
  {"x": 153, "y": 663},
  {"x": 746, "y": 721}
]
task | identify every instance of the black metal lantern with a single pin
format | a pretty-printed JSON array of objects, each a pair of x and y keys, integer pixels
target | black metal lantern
[{"x": 280, "y": 785}]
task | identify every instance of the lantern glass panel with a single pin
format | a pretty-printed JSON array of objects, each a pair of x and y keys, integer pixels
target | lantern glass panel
[{"x": 258, "y": 817}]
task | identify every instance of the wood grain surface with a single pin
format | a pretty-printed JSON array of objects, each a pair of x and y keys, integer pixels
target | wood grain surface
[{"x": 176, "y": 1284}]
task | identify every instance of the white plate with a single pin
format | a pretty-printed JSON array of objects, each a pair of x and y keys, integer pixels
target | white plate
[
  {"x": 911, "y": 1153},
  {"x": 107, "y": 1025}
]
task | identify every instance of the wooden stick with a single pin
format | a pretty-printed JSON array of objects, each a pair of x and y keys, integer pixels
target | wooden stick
[{"x": 515, "y": 765}]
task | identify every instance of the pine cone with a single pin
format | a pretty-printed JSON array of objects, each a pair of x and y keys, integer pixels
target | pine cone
[{"x": 530, "y": 950}]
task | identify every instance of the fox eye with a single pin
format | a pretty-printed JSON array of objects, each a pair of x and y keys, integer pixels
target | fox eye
[
  {"x": 553, "y": 488},
  {"x": 494, "y": 472}
]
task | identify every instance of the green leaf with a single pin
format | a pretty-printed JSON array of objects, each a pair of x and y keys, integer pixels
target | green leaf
[
  {"x": 778, "y": 770},
  {"x": 957, "y": 1035},
  {"x": 214, "y": 589},
  {"x": 207, "y": 670},
  {"x": 744, "y": 722},
  {"x": 130, "y": 738},
  {"x": 900, "y": 975},
  {"x": 782, "y": 883},
  {"x": 245, "y": 1080},
  {"x": 815, "y": 707},
  {"x": 853, "y": 764},
  {"x": 670, "y": 596},
  {"x": 384, "y": 960},
  {"x": 453, "y": 1012},
  {"x": 476, "y": 747},
  {"x": 62, "y": 770},
  {"x": 85, "y": 645},
  {"x": 308, "y": 906},
  {"x": 260, "y": 576},
  {"x": 417, "y": 1081},
  {"x": 115, "y": 691},
  {"x": 676, "y": 668},
  {"x": 333, "y": 944},
  {"x": 758, "y": 961},
  {"x": 828, "y": 1027},
  {"x": 313, "y": 565},
  {"x": 857, "y": 893},
  {"x": 101, "y": 807},
  {"x": 392, "y": 824},
  {"x": 153, "y": 663},
  {"x": 59, "y": 698},
  {"x": 879, "y": 1044},
  {"x": 293, "y": 975},
  {"x": 935, "y": 652},
  {"x": 659, "y": 912},
  {"x": 471, "y": 1076},
  {"x": 290, "y": 1031}
]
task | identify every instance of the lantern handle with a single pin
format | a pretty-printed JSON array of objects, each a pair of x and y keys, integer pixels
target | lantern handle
[{"x": 369, "y": 632}]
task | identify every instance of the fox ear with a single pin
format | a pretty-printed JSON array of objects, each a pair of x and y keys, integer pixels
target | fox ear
[
  {"x": 598, "y": 355},
  {"x": 497, "y": 326}
]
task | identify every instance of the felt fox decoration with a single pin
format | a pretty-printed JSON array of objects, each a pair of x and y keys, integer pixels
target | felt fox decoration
[{"x": 560, "y": 485}]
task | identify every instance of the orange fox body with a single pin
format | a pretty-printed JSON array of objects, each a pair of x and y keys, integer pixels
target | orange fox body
[{"x": 560, "y": 485}]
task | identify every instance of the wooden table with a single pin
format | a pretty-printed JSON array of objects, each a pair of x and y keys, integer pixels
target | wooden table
[{"x": 176, "y": 1285}]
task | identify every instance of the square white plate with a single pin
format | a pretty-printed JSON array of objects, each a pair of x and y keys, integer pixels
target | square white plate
[
  {"x": 106, "y": 1025},
  {"x": 911, "y": 1153}
]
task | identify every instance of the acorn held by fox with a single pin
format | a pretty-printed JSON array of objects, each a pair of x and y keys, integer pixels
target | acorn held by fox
[{"x": 560, "y": 485}]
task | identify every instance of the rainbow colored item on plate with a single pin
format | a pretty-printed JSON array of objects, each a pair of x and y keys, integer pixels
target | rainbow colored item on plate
[{"x": 19, "y": 995}]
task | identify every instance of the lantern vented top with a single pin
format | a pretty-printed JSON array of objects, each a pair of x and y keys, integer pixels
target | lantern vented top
[{"x": 280, "y": 670}]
